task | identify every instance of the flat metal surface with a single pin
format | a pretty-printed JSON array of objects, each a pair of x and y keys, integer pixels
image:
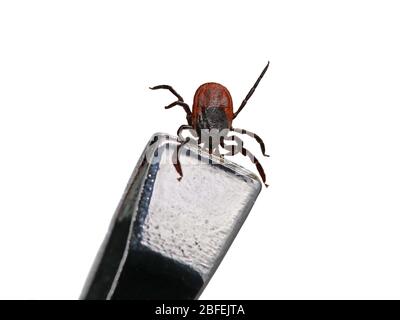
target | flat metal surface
[{"x": 168, "y": 237}]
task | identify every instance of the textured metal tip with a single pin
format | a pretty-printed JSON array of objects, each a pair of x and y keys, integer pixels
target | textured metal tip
[{"x": 168, "y": 237}]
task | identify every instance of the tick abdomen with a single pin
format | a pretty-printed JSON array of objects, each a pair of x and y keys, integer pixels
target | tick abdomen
[{"x": 212, "y": 107}]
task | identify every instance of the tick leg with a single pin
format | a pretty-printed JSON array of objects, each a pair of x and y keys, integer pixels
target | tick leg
[
  {"x": 173, "y": 91},
  {"x": 245, "y": 152},
  {"x": 253, "y": 135},
  {"x": 253, "y": 159},
  {"x": 185, "y": 127},
  {"x": 176, "y": 155},
  {"x": 221, "y": 143},
  {"x": 179, "y": 102},
  {"x": 251, "y": 91},
  {"x": 182, "y": 104}
]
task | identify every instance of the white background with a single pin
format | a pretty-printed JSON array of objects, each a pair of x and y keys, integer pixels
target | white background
[{"x": 76, "y": 112}]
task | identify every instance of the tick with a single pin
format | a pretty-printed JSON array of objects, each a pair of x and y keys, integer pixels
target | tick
[{"x": 212, "y": 115}]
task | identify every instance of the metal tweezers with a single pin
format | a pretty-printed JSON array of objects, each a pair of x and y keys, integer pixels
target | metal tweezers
[{"x": 167, "y": 237}]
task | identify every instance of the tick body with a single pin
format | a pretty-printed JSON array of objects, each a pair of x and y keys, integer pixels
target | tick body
[
  {"x": 212, "y": 112},
  {"x": 212, "y": 107}
]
